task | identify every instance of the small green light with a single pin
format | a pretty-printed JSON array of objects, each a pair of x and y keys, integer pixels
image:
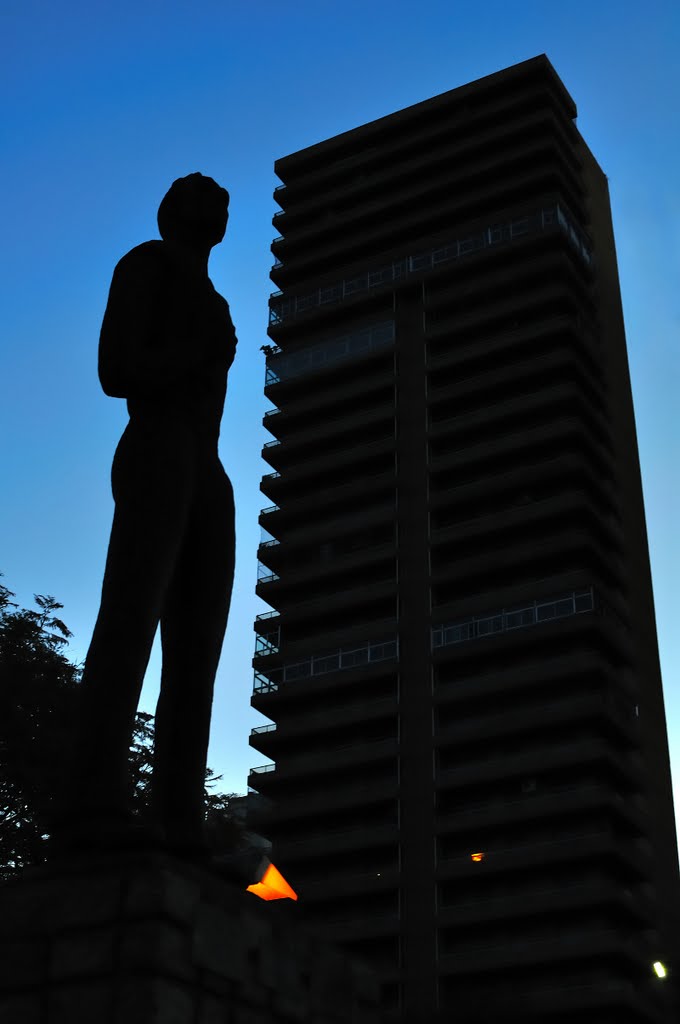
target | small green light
[{"x": 659, "y": 969}]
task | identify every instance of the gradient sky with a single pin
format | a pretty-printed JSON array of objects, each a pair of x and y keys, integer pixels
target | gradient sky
[{"x": 106, "y": 103}]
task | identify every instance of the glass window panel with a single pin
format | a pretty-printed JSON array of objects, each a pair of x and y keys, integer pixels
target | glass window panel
[
  {"x": 583, "y": 602},
  {"x": 381, "y": 276},
  {"x": 456, "y": 634},
  {"x": 380, "y": 652},
  {"x": 355, "y": 284},
  {"x": 350, "y": 658},
  {"x": 447, "y": 252},
  {"x": 546, "y": 611},
  {"x": 304, "y": 302},
  {"x": 493, "y": 624},
  {"x": 519, "y": 227},
  {"x": 520, "y": 617},
  {"x": 329, "y": 663},
  {"x": 331, "y": 294},
  {"x": 422, "y": 261},
  {"x": 298, "y": 671}
]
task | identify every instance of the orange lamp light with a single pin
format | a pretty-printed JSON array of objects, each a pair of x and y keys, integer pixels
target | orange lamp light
[
  {"x": 272, "y": 886},
  {"x": 476, "y": 857}
]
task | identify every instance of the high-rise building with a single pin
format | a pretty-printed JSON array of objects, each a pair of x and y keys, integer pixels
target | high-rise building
[{"x": 470, "y": 781}]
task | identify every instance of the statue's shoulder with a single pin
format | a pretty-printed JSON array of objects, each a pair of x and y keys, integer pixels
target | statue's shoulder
[{"x": 148, "y": 260}]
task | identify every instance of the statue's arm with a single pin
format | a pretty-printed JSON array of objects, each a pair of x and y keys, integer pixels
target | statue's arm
[{"x": 143, "y": 350}]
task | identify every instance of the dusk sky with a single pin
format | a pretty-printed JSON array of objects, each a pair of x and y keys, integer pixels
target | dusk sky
[{"x": 105, "y": 104}]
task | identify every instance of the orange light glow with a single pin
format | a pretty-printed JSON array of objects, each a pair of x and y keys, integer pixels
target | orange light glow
[
  {"x": 477, "y": 857},
  {"x": 272, "y": 886}
]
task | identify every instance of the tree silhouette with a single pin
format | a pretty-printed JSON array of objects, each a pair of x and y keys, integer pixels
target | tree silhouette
[{"x": 38, "y": 694}]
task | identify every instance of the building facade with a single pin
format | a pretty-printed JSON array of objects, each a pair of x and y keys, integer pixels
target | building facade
[{"x": 469, "y": 781}]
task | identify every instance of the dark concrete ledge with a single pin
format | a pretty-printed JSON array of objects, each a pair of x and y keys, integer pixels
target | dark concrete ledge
[{"x": 145, "y": 939}]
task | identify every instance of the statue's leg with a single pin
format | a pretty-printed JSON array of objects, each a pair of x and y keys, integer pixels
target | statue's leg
[
  {"x": 152, "y": 484},
  {"x": 193, "y": 623}
]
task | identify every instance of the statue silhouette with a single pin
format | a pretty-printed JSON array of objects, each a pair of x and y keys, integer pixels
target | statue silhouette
[{"x": 167, "y": 342}]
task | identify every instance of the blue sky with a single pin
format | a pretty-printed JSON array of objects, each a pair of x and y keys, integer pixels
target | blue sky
[{"x": 104, "y": 104}]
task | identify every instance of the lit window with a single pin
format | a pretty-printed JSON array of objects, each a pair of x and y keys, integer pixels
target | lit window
[
  {"x": 659, "y": 969},
  {"x": 477, "y": 857}
]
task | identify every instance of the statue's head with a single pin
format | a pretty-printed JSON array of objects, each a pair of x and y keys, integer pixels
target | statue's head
[{"x": 194, "y": 211}]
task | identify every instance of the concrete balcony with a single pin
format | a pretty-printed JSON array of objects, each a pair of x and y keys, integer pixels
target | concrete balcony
[
  {"x": 612, "y": 717},
  {"x": 550, "y": 903},
  {"x": 605, "y": 943},
  {"x": 501, "y": 348},
  {"x": 454, "y": 501},
  {"x": 541, "y": 804},
  {"x": 296, "y": 852},
  {"x": 520, "y": 448},
  {"x": 315, "y": 801},
  {"x": 539, "y": 760},
  {"x": 330, "y": 720},
  {"x": 342, "y": 469}
]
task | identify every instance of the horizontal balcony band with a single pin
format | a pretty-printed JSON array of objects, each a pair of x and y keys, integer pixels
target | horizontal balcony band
[
  {"x": 377, "y": 485},
  {"x": 330, "y": 353},
  {"x": 285, "y": 812},
  {"x": 338, "y": 568},
  {"x": 495, "y": 565},
  {"x": 310, "y": 182},
  {"x": 314, "y": 723},
  {"x": 562, "y": 332},
  {"x": 471, "y": 681},
  {"x": 353, "y": 882},
  {"x": 530, "y": 614},
  {"x": 521, "y": 445},
  {"x": 545, "y": 901},
  {"x": 299, "y": 526},
  {"x": 585, "y": 944},
  {"x": 613, "y": 712},
  {"x": 306, "y": 474},
  {"x": 567, "y": 465},
  {"x": 334, "y": 841},
  {"x": 543, "y": 802},
  {"x": 527, "y": 507},
  {"x": 547, "y": 758},
  {"x": 282, "y": 309},
  {"x": 328, "y": 662},
  {"x": 335, "y": 442},
  {"x": 453, "y": 160},
  {"x": 429, "y": 211}
]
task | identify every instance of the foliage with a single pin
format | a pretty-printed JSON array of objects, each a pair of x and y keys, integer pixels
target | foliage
[{"x": 38, "y": 693}]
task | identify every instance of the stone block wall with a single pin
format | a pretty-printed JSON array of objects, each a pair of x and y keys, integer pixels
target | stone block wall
[{"x": 148, "y": 940}]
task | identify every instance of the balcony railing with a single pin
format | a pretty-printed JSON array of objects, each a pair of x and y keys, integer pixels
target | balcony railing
[
  {"x": 322, "y": 664},
  {"x": 494, "y": 234},
  {"x": 262, "y": 769},
  {"x": 258, "y": 730},
  {"x": 329, "y": 353},
  {"x": 266, "y": 615},
  {"x": 267, "y": 643},
  {"x": 265, "y": 574},
  {"x": 270, "y": 508},
  {"x": 515, "y": 618}
]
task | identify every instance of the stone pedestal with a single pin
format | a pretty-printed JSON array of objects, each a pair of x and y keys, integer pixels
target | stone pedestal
[{"x": 145, "y": 939}]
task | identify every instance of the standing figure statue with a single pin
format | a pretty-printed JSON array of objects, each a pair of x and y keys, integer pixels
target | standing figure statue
[{"x": 166, "y": 345}]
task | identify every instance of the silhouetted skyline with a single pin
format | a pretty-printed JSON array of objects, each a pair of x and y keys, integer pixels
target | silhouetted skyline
[{"x": 106, "y": 108}]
